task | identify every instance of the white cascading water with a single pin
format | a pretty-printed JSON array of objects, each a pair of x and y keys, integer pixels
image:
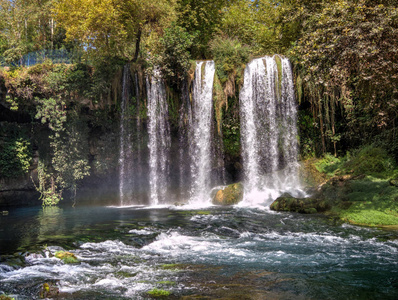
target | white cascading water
[
  {"x": 268, "y": 131},
  {"x": 200, "y": 132},
  {"x": 125, "y": 150},
  {"x": 159, "y": 139},
  {"x": 290, "y": 134}
]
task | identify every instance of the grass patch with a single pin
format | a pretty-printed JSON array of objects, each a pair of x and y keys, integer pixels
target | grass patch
[
  {"x": 371, "y": 201},
  {"x": 361, "y": 188}
]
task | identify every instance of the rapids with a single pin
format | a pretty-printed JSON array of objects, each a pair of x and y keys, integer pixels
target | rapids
[{"x": 235, "y": 252}]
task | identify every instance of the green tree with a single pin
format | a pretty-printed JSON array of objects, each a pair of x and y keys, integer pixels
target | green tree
[
  {"x": 25, "y": 26},
  {"x": 347, "y": 63},
  {"x": 112, "y": 28},
  {"x": 201, "y": 18},
  {"x": 67, "y": 161}
]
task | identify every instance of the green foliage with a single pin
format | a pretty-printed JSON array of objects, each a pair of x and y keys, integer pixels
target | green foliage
[
  {"x": 112, "y": 28},
  {"x": 15, "y": 152},
  {"x": 329, "y": 164},
  {"x": 53, "y": 112},
  {"x": 231, "y": 139},
  {"x": 256, "y": 23},
  {"x": 68, "y": 144},
  {"x": 308, "y": 135},
  {"x": 230, "y": 57},
  {"x": 79, "y": 79},
  {"x": 158, "y": 293},
  {"x": 174, "y": 58},
  {"x": 202, "y": 19},
  {"x": 346, "y": 68},
  {"x": 368, "y": 160}
]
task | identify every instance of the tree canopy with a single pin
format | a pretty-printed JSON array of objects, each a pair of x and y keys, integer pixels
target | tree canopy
[{"x": 344, "y": 52}]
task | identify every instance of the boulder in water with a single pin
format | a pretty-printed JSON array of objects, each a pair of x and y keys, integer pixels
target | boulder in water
[
  {"x": 230, "y": 195},
  {"x": 287, "y": 202}
]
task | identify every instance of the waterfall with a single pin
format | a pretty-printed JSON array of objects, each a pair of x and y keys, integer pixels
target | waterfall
[
  {"x": 268, "y": 130},
  {"x": 125, "y": 149},
  {"x": 184, "y": 120},
  {"x": 289, "y": 111},
  {"x": 200, "y": 131},
  {"x": 159, "y": 139}
]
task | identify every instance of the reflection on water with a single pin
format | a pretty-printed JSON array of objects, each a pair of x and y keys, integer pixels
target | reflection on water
[{"x": 235, "y": 253}]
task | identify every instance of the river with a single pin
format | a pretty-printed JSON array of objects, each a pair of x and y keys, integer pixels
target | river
[{"x": 211, "y": 253}]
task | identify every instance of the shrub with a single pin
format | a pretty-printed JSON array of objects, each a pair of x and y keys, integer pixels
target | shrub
[
  {"x": 230, "y": 57},
  {"x": 370, "y": 160},
  {"x": 172, "y": 55},
  {"x": 15, "y": 156}
]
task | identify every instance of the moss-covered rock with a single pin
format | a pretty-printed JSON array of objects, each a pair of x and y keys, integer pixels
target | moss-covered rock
[
  {"x": 48, "y": 290},
  {"x": 230, "y": 195},
  {"x": 66, "y": 257},
  {"x": 157, "y": 293},
  {"x": 301, "y": 205}
]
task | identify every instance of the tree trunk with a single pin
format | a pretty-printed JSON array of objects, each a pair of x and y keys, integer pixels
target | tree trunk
[{"x": 137, "y": 44}]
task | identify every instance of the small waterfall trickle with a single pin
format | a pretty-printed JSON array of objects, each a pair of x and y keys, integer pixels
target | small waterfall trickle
[
  {"x": 268, "y": 130},
  {"x": 159, "y": 139},
  {"x": 125, "y": 150},
  {"x": 200, "y": 131}
]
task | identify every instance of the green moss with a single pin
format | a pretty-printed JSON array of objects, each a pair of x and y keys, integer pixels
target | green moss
[
  {"x": 157, "y": 293},
  {"x": 5, "y": 297},
  {"x": 219, "y": 101},
  {"x": 171, "y": 266},
  {"x": 369, "y": 217},
  {"x": 230, "y": 195},
  {"x": 167, "y": 282},
  {"x": 66, "y": 257},
  {"x": 202, "y": 212}
]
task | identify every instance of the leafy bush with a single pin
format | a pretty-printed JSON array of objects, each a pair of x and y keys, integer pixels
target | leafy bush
[
  {"x": 230, "y": 57},
  {"x": 173, "y": 57},
  {"x": 370, "y": 160},
  {"x": 328, "y": 164}
]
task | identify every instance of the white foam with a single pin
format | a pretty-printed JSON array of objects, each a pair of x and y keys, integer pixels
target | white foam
[{"x": 141, "y": 231}]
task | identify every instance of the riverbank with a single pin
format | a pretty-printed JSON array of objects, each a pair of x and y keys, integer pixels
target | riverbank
[{"x": 359, "y": 189}]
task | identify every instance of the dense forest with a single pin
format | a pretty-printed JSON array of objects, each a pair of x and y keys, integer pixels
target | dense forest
[{"x": 344, "y": 55}]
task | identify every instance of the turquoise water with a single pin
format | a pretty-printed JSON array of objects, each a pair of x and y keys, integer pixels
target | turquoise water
[{"x": 231, "y": 253}]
